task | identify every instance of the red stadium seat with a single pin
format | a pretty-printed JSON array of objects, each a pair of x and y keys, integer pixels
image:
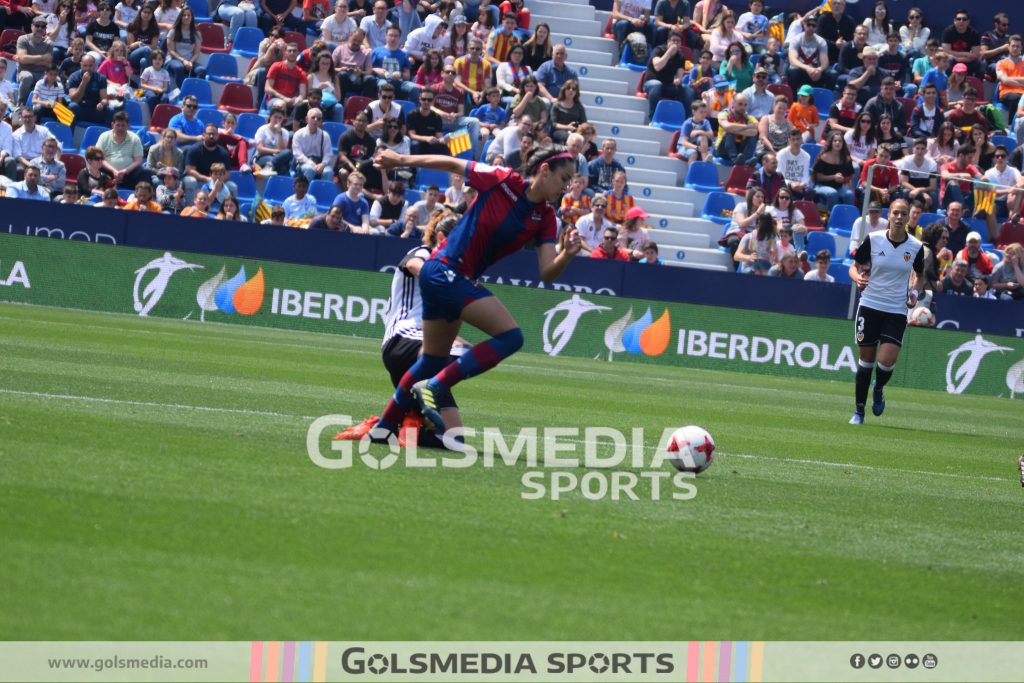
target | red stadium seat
[
  {"x": 672, "y": 147},
  {"x": 353, "y": 105},
  {"x": 608, "y": 28},
  {"x": 781, "y": 89},
  {"x": 236, "y": 98},
  {"x": 8, "y": 40},
  {"x": 161, "y": 116},
  {"x": 908, "y": 107},
  {"x": 976, "y": 83},
  {"x": 211, "y": 38},
  {"x": 74, "y": 163},
  {"x": 812, "y": 219},
  {"x": 1010, "y": 233},
  {"x": 297, "y": 38},
  {"x": 736, "y": 183},
  {"x": 640, "y": 85}
]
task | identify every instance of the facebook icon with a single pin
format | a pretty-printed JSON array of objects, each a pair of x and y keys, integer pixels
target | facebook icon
[{"x": 857, "y": 661}]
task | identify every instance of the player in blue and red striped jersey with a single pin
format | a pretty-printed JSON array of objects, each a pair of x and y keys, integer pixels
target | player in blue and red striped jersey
[{"x": 508, "y": 213}]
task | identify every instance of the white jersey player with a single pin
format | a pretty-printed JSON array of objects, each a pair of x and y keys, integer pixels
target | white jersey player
[
  {"x": 887, "y": 268},
  {"x": 403, "y": 327}
]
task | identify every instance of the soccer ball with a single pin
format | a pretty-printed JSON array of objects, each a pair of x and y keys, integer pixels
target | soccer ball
[
  {"x": 691, "y": 448},
  {"x": 922, "y": 316}
]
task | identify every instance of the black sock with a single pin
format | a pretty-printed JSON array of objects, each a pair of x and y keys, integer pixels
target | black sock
[
  {"x": 882, "y": 375},
  {"x": 863, "y": 383}
]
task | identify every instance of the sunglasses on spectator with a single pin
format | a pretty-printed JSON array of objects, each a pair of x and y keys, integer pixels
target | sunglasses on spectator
[
  {"x": 600, "y": 206},
  {"x": 1000, "y": 156},
  {"x": 446, "y": 73},
  {"x": 191, "y": 106},
  {"x": 761, "y": 76},
  {"x": 914, "y": 16},
  {"x": 609, "y": 238}
]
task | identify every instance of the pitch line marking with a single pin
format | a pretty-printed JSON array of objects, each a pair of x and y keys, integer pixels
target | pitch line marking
[
  {"x": 151, "y": 404},
  {"x": 267, "y": 413}
]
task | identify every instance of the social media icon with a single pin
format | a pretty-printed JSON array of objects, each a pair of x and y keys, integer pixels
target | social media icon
[
  {"x": 929, "y": 661},
  {"x": 857, "y": 661},
  {"x": 893, "y": 661},
  {"x": 875, "y": 661},
  {"x": 911, "y": 661}
]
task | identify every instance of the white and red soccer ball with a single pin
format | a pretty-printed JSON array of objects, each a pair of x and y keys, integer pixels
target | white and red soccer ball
[{"x": 690, "y": 449}]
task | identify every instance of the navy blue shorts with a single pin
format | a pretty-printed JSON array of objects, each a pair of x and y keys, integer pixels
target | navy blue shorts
[{"x": 446, "y": 292}]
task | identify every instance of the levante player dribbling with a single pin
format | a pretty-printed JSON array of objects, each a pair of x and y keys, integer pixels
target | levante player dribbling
[
  {"x": 509, "y": 213},
  {"x": 882, "y": 269}
]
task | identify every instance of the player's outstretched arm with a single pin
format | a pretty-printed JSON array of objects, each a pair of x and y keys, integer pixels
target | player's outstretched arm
[
  {"x": 386, "y": 160},
  {"x": 550, "y": 263}
]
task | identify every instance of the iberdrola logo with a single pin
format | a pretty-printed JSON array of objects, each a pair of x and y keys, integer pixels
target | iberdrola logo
[
  {"x": 645, "y": 336},
  {"x": 237, "y": 295}
]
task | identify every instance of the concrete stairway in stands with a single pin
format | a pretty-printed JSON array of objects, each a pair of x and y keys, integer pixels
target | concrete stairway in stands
[{"x": 608, "y": 93}]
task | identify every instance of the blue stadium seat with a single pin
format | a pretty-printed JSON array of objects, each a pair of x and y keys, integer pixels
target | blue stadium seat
[
  {"x": 246, "y": 42},
  {"x": 335, "y": 130},
  {"x": 927, "y": 219},
  {"x": 842, "y": 217},
  {"x": 715, "y": 204},
  {"x": 703, "y": 176},
  {"x": 201, "y": 10},
  {"x": 407, "y": 106},
  {"x": 246, "y": 186},
  {"x": 248, "y": 124},
  {"x": 125, "y": 193},
  {"x": 92, "y": 134},
  {"x": 1006, "y": 141},
  {"x": 627, "y": 62},
  {"x": 818, "y": 240},
  {"x": 222, "y": 68},
  {"x": 278, "y": 189},
  {"x": 214, "y": 116},
  {"x": 823, "y": 99},
  {"x": 198, "y": 87},
  {"x": 426, "y": 177},
  {"x": 841, "y": 272},
  {"x": 668, "y": 115},
  {"x": 412, "y": 196},
  {"x": 64, "y": 135},
  {"x": 246, "y": 209},
  {"x": 813, "y": 149},
  {"x": 134, "y": 110},
  {"x": 324, "y": 192},
  {"x": 487, "y": 146}
]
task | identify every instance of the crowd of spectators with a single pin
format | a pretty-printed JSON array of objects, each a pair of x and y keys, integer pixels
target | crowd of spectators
[
  {"x": 424, "y": 72},
  {"x": 904, "y": 110}
]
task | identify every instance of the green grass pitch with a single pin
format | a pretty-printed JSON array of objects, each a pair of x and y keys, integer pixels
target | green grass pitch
[{"x": 156, "y": 486}]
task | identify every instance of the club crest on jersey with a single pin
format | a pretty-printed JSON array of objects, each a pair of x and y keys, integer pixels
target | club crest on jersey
[
  {"x": 906, "y": 258},
  {"x": 535, "y": 216}
]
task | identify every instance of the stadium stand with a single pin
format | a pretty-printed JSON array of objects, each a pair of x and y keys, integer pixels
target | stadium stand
[{"x": 686, "y": 201}]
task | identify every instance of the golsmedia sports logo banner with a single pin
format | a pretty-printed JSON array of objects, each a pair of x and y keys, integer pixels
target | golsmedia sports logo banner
[
  {"x": 538, "y": 661},
  {"x": 205, "y": 288}
]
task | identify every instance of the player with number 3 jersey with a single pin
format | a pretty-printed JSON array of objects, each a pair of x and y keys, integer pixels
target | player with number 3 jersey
[{"x": 887, "y": 268}]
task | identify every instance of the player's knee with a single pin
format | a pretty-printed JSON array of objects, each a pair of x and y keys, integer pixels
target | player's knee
[{"x": 509, "y": 342}]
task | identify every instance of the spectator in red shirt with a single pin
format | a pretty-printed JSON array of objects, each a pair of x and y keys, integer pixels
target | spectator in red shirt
[
  {"x": 956, "y": 179},
  {"x": 286, "y": 81},
  {"x": 16, "y": 14},
  {"x": 978, "y": 262},
  {"x": 609, "y": 248},
  {"x": 516, "y": 7},
  {"x": 886, "y": 178}
]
